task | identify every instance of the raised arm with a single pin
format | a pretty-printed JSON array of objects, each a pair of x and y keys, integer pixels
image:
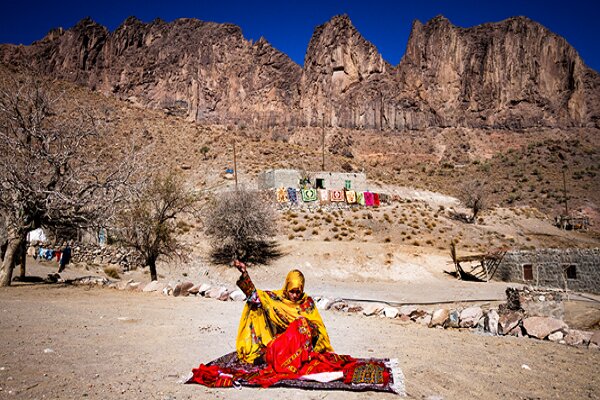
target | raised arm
[{"x": 244, "y": 282}]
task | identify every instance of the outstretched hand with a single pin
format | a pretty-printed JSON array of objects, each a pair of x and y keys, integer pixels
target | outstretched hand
[{"x": 240, "y": 266}]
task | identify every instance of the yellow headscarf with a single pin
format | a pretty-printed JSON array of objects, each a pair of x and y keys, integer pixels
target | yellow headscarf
[
  {"x": 259, "y": 325},
  {"x": 294, "y": 280}
]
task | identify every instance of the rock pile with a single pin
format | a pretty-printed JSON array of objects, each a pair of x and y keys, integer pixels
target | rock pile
[
  {"x": 516, "y": 317},
  {"x": 527, "y": 313}
]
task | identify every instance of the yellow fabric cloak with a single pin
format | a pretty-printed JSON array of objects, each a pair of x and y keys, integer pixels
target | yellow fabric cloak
[{"x": 259, "y": 324}]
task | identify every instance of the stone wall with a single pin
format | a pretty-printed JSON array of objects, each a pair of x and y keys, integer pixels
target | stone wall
[
  {"x": 276, "y": 178},
  {"x": 574, "y": 269}
]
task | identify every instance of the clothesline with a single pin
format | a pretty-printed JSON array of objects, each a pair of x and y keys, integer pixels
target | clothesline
[{"x": 325, "y": 196}]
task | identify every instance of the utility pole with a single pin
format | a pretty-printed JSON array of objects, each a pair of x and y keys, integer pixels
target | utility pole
[
  {"x": 565, "y": 191},
  {"x": 235, "y": 166},
  {"x": 323, "y": 145}
]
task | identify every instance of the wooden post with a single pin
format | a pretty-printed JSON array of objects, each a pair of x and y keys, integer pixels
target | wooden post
[{"x": 235, "y": 166}]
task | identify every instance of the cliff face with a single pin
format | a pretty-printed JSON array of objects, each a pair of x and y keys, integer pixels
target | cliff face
[
  {"x": 509, "y": 75},
  {"x": 203, "y": 70}
]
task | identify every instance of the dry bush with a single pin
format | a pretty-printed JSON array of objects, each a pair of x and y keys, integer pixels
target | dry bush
[
  {"x": 112, "y": 272},
  {"x": 241, "y": 226}
]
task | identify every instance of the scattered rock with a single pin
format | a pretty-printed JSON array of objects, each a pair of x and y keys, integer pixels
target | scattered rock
[
  {"x": 153, "y": 286},
  {"x": 424, "y": 320},
  {"x": 353, "y": 308},
  {"x": 390, "y": 312},
  {"x": 517, "y": 331},
  {"x": 194, "y": 289},
  {"x": 185, "y": 288},
  {"x": 508, "y": 321},
  {"x": 407, "y": 310},
  {"x": 491, "y": 319},
  {"x": 204, "y": 288},
  {"x": 556, "y": 336},
  {"x": 439, "y": 317},
  {"x": 372, "y": 309},
  {"x": 237, "y": 295},
  {"x": 541, "y": 327},
  {"x": 324, "y": 303},
  {"x": 577, "y": 338},
  {"x": 415, "y": 315},
  {"x": 453, "y": 319},
  {"x": 469, "y": 317}
]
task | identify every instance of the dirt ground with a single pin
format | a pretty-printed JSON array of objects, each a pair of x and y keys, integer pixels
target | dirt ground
[{"x": 62, "y": 342}]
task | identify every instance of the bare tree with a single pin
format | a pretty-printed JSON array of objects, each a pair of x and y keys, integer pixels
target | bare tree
[
  {"x": 474, "y": 196},
  {"x": 49, "y": 177},
  {"x": 241, "y": 226},
  {"x": 147, "y": 224}
]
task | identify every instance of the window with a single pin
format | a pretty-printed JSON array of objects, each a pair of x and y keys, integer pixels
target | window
[
  {"x": 528, "y": 272},
  {"x": 571, "y": 271},
  {"x": 320, "y": 183}
]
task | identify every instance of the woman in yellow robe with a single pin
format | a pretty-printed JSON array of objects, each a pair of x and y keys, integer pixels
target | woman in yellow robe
[{"x": 269, "y": 313}]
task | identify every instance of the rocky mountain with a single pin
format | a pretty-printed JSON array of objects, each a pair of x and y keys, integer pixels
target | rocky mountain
[{"x": 508, "y": 75}]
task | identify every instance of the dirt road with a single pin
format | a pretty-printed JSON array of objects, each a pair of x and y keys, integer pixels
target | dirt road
[{"x": 72, "y": 343}]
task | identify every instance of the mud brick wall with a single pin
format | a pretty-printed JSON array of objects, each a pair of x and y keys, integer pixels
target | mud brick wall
[{"x": 548, "y": 268}]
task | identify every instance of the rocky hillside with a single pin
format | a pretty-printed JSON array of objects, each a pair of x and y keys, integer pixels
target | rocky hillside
[{"x": 512, "y": 74}]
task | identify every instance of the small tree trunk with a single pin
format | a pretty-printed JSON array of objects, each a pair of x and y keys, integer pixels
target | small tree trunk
[
  {"x": 151, "y": 262},
  {"x": 8, "y": 264},
  {"x": 23, "y": 258}
]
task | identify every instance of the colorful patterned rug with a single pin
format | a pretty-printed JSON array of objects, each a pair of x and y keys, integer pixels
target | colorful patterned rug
[{"x": 367, "y": 374}]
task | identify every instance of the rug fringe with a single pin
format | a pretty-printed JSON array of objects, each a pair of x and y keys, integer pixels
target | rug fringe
[{"x": 398, "y": 376}]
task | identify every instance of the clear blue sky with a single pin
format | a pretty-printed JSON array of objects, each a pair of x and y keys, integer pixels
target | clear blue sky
[{"x": 289, "y": 24}]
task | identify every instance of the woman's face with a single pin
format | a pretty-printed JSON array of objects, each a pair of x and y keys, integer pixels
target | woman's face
[{"x": 294, "y": 294}]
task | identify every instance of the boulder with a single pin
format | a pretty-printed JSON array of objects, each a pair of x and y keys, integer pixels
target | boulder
[
  {"x": 407, "y": 310},
  {"x": 453, "y": 319},
  {"x": 194, "y": 289},
  {"x": 372, "y": 309},
  {"x": 491, "y": 319},
  {"x": 185, "y": 288},
  {"x": 469, "y": 317},
  {"x": 508, "y": 321},
  {"x": 154, "y": 286},
  {"x": 237, "y": 295},
  {"x": 354, "y": 308},
  {"x": 203, "y": 289},
  {"x": 425, "y": 320},
  {"x": 134, "y": 286},
  {"x": 541, "y": 327},
  {"x": 217, "y": 293},
  {"x": 556, "y": 336},
  {"x": 324, "y": 303},
  {"x": 577, "y": 338},
  {"x": 415, "y": 315},
  {"x": 339, "y": 306},
  {"x": 439, "y": 317},
  {"x": 390, "y": 312},
  {"x": 517, "y": 331}
]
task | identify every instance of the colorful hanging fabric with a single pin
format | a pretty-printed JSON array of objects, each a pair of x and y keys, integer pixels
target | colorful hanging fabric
[
  {"x": 309, "y": 195},
  {"x": 368, "y": 199},
  {"x": 376, "y": 202},
  {"x": 323, "y": 195},
  {"x": 336, "y": 195},
  {"x": 351, "y": 196},
  {"x": 282, "y": 195},
  {"x": 360, "y": 198},
  {"x": 292, "y": 195}
]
